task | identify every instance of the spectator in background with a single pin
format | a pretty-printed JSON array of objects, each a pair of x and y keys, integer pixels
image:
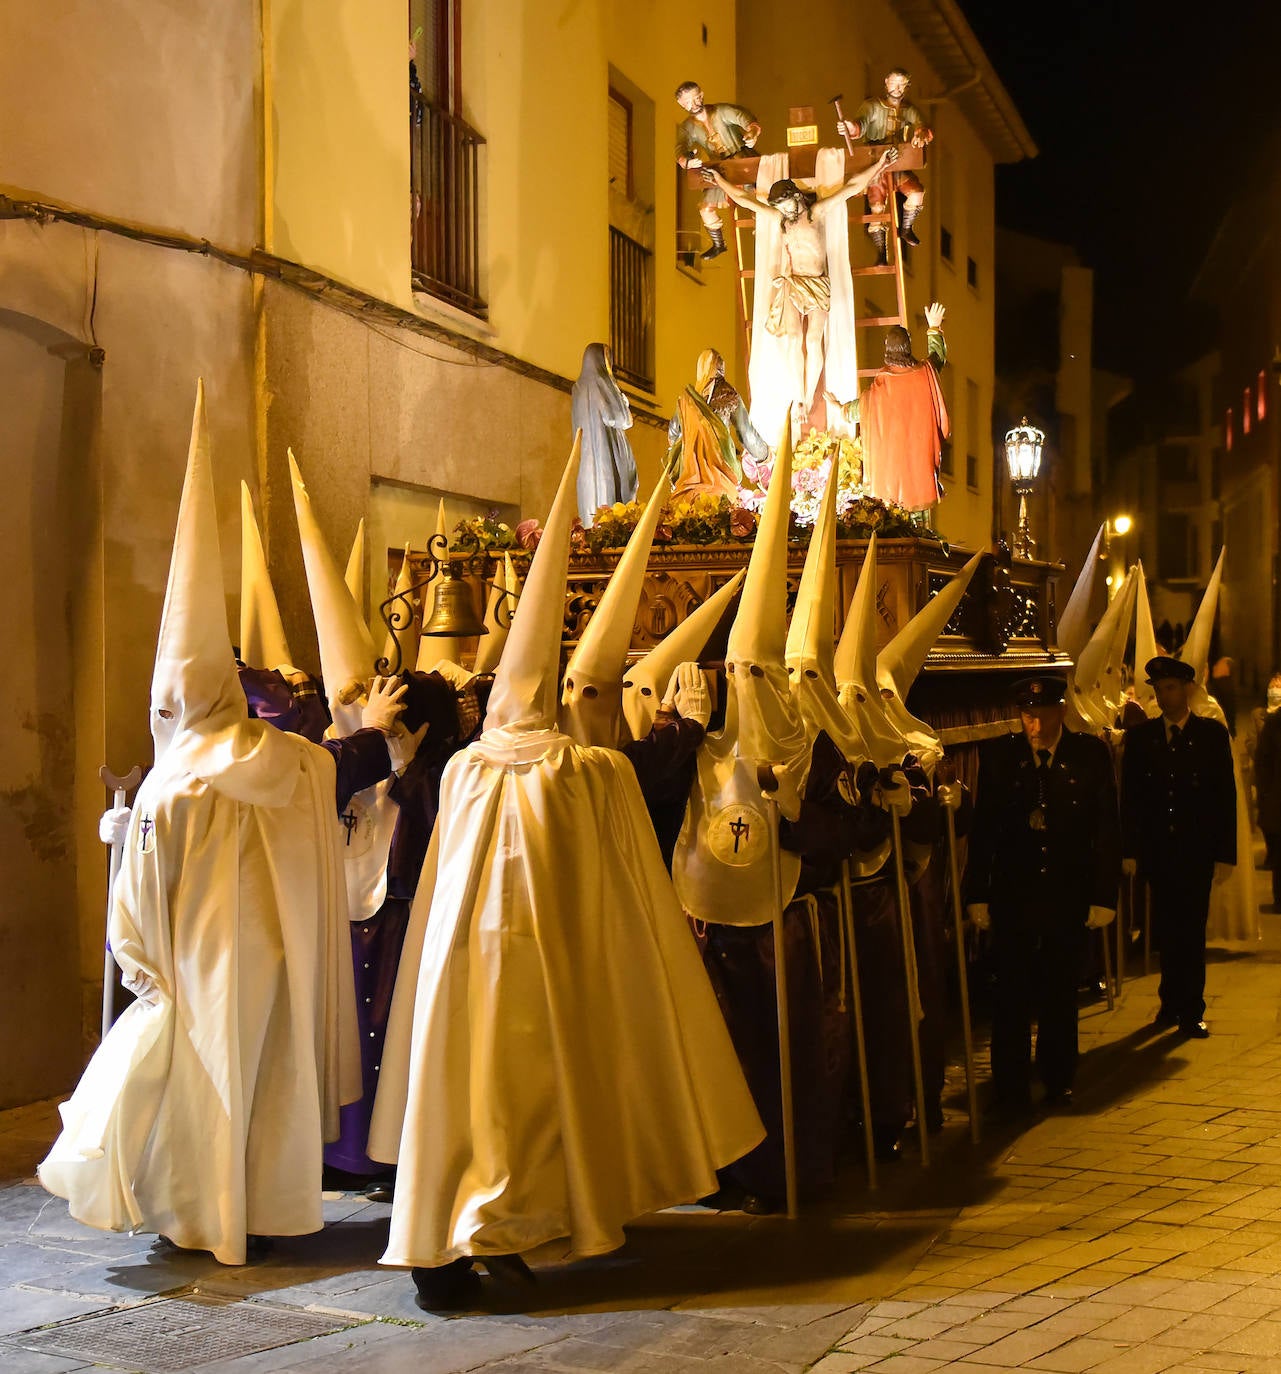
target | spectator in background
[{"x": 1267, "y": 782}]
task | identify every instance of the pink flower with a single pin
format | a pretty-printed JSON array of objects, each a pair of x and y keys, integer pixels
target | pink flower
[
  {"x": 528, "y": 533},
  {"x": 741, "y": 522}
]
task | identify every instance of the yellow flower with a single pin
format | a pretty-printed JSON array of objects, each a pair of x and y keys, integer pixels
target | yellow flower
[{"x": 618, "y": 510}]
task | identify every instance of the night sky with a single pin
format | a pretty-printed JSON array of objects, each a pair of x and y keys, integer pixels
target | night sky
[{"x": 1146, "y": 123}]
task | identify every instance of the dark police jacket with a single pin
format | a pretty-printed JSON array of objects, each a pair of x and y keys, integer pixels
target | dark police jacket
[
  {"x": 1178, "y": 801},
  {"x": 1056, "y": 873}
]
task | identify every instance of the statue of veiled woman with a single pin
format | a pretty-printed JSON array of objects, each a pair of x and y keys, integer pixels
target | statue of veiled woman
[
  {"x": 717, "y": 440},
  {"x": 608, "y": 471}
]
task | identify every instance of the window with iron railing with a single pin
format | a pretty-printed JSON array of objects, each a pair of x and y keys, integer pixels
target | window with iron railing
[
  {"x": 445, "y": 156},
  {"x": 630, "y": 293}
]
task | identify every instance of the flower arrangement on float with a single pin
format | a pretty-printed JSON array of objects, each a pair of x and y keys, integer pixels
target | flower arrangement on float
[{"x": 702, "y": 518}]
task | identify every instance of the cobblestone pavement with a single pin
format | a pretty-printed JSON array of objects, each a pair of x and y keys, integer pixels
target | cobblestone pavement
[{"x": 1140, "y": 1233}]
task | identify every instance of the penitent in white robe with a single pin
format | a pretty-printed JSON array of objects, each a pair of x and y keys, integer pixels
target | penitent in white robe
[
  {"x": 203, "y": 1113},
  {"x": 556, "y": 1063}
]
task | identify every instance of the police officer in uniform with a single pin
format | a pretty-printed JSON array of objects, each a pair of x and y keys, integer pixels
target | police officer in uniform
[
  {"x": 1044, "y": 866},
  {"x": 1178, "y": 804}
]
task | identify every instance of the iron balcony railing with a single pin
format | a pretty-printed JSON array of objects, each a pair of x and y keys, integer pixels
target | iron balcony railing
[
  {"x": 630, "y": 295},
  {"x": 445, "y": 185}
]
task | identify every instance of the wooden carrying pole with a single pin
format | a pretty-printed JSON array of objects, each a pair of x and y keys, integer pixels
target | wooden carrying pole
[
  {"x": 963, "y": 977},
  {"x": 860, "y": 1041},
  {"x": 784, "y": 1027},
  {"x": 909, "y": 964}
]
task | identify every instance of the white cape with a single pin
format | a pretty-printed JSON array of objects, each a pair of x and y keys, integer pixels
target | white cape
[
  {"x": 202, "y": 1114},
  {"x": 567, "y": 1069}
]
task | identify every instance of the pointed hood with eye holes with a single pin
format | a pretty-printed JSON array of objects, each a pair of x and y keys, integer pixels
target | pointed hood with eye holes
[
  {"x": 347, "y": 653},
  {"x": 646, "y": 680},
  {"x": 199, "y": 716},
  {"x": 760, "y": 716},
  {"x": 811, "y": 637},
  {"x": 900, "y": 662},
  {"x": 856, "y": 670},
  {"x": 262, "y": 633},
  {"x": 591, "y": 699},
  {"x": 526, "y": 686},
  {"x": 1095, "y": 695}
]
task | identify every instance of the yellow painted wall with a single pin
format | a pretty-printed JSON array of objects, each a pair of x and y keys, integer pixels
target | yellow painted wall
[{"x": 337, "y": 140}]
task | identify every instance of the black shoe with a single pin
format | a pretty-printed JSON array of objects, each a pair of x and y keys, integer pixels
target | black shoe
[
  {"x": 1165, "y": 1018},
  {"x": 886, "y": 1146},
  {"x": 758, "y": 1205},
  {"x": 1059, "y": 1100},
  {"x": 509, "y": 1269},
  {"x": 381, "y": 1190},
  {"x": 257, "y": 1247},
  {"x": 1194, "y": 1030},
  {"x": 448, "y": 1287}
]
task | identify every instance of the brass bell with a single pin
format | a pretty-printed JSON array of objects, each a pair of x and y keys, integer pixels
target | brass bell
[{"x": 453, "y": 612}]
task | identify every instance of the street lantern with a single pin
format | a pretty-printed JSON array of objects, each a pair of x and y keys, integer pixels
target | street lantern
[{"x": 1023, "y": 446}]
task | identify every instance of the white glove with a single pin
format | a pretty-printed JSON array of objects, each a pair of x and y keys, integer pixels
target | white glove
[
  {"x": 403, "y": 744},
  {"x": 980, "y": 915},
  {"x": 690, "y": 698},
  {"x": 141, "y": 984},
  {"x": 786, "y": 796},
  {"x": 112, "y": 825},
  {"x": 1222, "y": 872},
  {"x": 949, "y": 795},
  {"x": 383, "y": 704},
  {"x": 896, "y": 795},
  {"x": 457, "y": 677},
  {"x": 1129, "y": 867},
  {"x": 1100, "y": 916}
]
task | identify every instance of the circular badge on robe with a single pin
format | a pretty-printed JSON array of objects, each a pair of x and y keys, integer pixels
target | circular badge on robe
[
  {"x": 359, "y": 823},
  {"x": 738, "y": 835}
]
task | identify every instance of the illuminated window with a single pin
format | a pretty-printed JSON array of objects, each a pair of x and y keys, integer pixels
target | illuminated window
[
  {"x": 1227, "y": 429},
  {"x": 1261, "y": 399},
  {"x": 1246, "y": 409}
]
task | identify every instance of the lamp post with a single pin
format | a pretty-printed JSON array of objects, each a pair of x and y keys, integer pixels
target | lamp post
[
  {"x": 1115, "y": 527},
  {"x": 1023, "y": 446}
]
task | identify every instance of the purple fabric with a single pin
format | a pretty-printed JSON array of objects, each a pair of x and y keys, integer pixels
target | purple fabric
[
  {"x": 375, "y": 949},
  {"x": 362, "y": 760},
  {"x": 665, "y": 762},
  {"x": 300, "y": 710}
]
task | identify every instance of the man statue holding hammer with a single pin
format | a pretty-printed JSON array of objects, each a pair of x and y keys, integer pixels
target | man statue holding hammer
[{"x": 890, "y": 118}]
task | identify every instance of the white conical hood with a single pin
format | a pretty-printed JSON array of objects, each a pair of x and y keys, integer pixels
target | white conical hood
[
  {"x": 591, "y": 699},
  {"x": 1196, "y": 648},
  {"x": 811, "y": 637},
  {"x": 526, "y": 687},
  {"x": 759, "y": 634},
  {"x": 262, "y": 634},
  {"x": 498, "y": 614},
  {"x": 646, "y": 680},
  {"x": 194, "y": 679},
  {"x": 403, "y": 610},
  {"x": 899, "y": 664},
  {"x": 1074, "y": 623},
  {"x": 347, "y": 652},
  {"x": 1145, "y": 645},
  {"x": 762, "y": 722},
  {"x": 856, "y": 670},
  {"x": 1095, "y": 690},
  {"x": 355, "y": 574}
]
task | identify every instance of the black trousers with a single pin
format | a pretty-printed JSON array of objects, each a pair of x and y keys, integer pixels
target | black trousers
[
  {"x": 1180, "y": 908},
  {"x": 1035, "y": 962}
]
